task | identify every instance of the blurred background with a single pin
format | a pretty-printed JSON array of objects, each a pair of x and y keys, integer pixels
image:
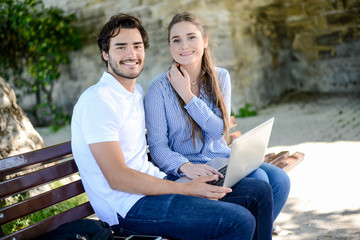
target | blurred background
[{"x": 270, "y": 47}]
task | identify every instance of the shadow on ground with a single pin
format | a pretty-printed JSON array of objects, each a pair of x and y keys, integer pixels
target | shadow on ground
[{"x": 314, "y": 225}]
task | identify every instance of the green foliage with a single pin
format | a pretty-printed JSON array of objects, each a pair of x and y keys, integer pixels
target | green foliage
[
  {"x": 14, "y": 199},
  {"x": 43, "y": 214},
  {"x": 35, "y": 41},
  {"x": 246, "y": 111}
]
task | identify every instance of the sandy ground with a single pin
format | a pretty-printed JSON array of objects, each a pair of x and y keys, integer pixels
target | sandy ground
[{"x": 324, "y": 201}]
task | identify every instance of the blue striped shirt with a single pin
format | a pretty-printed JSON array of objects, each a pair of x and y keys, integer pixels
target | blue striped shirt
[{"x": 169, "y": 138}]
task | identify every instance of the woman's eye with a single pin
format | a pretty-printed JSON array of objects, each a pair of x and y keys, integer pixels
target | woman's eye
[{"x": 176, "y": 41}]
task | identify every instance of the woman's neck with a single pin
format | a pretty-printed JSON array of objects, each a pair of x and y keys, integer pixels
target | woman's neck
[{"x": 194, "y": 71}]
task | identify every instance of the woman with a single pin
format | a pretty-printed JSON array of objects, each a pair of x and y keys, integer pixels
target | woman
[{"x": 188, "y": 110}]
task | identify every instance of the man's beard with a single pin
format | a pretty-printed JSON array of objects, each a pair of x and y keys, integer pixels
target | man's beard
[{"x": 116, "y": 69}]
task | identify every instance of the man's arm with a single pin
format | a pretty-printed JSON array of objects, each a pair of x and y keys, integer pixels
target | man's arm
[{"x": 111, "y": 161}]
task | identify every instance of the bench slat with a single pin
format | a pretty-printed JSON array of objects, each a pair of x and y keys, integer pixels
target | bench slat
[
  {"x": 38, "y": 156},
  {"x": 279, "y": 157},
  {"x": 49, "y": 224},
  {"x": 41, "y": 201},
  {"x": 34, "y": 179},
  {"x": 291, "y": 161}
]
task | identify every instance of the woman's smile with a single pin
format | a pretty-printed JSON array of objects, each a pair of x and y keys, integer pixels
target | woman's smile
[{"x": 184, "y": 54}]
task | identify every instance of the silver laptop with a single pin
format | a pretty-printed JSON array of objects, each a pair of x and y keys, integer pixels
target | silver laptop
[{"x": 247, "y": 154}]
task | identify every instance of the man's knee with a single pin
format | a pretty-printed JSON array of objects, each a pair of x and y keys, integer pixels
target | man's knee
[{"x": 239, "y": 224}]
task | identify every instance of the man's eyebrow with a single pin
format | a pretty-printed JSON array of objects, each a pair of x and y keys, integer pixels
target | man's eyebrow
[
  {"x": 120, "y": 44},
  {"x": 124, "y": 44}
]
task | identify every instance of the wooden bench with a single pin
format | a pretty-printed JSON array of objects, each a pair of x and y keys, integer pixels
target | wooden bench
[
  {"x": 30, "y": 171},
  {"x": 27, "y": 171}
]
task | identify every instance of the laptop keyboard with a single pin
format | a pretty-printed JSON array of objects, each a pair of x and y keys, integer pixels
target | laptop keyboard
[{"x": 220, "y": 181}]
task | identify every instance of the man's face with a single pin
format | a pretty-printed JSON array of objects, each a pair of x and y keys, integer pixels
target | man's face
[{"x": 126, "y": 54}]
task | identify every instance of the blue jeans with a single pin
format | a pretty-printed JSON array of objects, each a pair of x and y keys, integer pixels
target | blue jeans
[
  {"x": 279, "y": 182},
  {"x": 245, "y": 213}
]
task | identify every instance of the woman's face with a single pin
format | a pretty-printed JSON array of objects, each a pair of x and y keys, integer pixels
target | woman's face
[{"x": 187, "y": 43}]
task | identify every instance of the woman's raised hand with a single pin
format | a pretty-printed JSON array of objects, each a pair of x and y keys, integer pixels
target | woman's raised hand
[{"x": 180, "y": 81}]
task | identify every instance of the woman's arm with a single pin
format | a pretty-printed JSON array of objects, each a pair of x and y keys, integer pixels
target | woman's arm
[
  {"x": 208, "y": 117},
  {"x": 157, "y": 132}
]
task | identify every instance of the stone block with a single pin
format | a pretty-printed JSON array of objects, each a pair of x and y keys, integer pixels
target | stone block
[
  {"x": 273, "y": 13},
  {"x": 351, "y": 34},
  {"x": 329, "y": 39},
  {"x": 293, "y": 10},
  {"x": 326, "y": 53},
  {"x": 299, "y": 26},
  {"x": 315, "y": 8},
  {"x": 351, "y": 3},
  {"x": 341, "y": 19},
  {"x": 304, "y": 45},
  {"x": 321, "y": 22}
]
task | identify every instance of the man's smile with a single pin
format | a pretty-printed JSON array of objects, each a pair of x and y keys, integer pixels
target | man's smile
[{"x": 130, "y": 62}]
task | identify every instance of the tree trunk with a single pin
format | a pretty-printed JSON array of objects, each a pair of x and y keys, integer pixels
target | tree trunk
[{"x": 17, "y": 134}]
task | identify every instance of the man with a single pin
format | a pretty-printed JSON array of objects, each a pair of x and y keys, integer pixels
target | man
[{"x": 124, "y": 188}]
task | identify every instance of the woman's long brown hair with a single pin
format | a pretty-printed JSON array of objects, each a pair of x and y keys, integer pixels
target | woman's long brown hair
[{"x": 209, "y": 79}]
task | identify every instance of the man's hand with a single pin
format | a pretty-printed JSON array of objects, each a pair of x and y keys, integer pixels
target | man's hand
[
  {"x": 111, "y": 161},
  {"x": 194, "y": 171},
  {"x": 200, "y": 188}
]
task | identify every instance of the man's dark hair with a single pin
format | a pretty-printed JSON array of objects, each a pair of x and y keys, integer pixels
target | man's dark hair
[{"x": 112, "y": 28}]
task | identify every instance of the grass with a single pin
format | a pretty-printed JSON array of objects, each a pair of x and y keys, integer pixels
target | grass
[{"x": 246, "y": 111}]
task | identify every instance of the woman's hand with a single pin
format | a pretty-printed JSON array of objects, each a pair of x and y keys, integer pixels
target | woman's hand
[
  {"x": 180, "y": 81},
  {"x": 194, "y": 171}
]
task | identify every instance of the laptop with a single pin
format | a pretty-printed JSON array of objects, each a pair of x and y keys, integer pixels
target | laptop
[{"x": 247, "y": 154}]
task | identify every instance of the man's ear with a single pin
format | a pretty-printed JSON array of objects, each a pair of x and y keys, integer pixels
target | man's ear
[{"x": 105, "y": 55}]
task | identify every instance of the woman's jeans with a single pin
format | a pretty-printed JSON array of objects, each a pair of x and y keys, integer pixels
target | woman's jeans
[
  {"x": 245, "y": 213},
  {"x": 279, "y": 182}
]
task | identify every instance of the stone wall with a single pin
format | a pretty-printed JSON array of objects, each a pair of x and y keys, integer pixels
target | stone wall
[
  {"x": 269, "y": 47},
  {"x": 315, "y": 44}
]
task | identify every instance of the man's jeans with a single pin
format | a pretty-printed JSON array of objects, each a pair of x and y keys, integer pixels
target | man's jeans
[{"x": 245, "y": 213}]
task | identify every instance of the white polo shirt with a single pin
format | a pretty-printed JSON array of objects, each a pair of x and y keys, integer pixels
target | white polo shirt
[{"x": 105, "y": 112}]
